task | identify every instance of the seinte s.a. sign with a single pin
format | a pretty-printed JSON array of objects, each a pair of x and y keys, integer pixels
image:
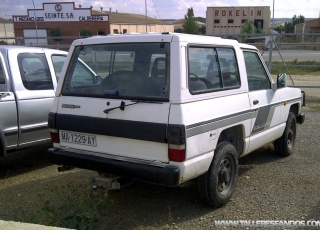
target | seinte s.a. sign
[{"x": 60, "y": 12}]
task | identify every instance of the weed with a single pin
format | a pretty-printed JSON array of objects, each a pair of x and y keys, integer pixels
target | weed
[{"x": 74, "y": 207}]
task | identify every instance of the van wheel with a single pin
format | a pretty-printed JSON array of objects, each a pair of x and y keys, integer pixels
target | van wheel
[
  {"x": 217, "y": 185},
  {"x": 284, "y": 146}
]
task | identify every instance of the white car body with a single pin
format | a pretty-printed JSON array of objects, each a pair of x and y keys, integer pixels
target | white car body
[{"x": 140, "y": 141}]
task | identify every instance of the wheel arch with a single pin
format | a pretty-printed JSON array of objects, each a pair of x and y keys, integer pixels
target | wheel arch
[
  {"x": 235, "y": 136},
  {"x": 295, "y": 108},
  {"x": 3, "y": 152}
]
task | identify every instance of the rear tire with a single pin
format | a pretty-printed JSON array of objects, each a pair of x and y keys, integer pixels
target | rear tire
[
  {"x": 217, "y": 185},
  {"x": 284, "y": 146}
]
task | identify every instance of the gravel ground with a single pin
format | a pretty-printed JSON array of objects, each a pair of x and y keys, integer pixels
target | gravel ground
[{"x": 268, "y": 188}]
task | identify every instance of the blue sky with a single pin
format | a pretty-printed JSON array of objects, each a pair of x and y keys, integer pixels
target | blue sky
[{"x": 171, "y": 9}]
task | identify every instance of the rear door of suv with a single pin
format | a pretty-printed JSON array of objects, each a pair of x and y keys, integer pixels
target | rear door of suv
[{"x": 114, "y": 101}]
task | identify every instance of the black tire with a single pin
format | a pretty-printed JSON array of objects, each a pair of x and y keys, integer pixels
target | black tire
[
  {"x": 217, "y": 185},
  {"x": 284, "y": 146}
]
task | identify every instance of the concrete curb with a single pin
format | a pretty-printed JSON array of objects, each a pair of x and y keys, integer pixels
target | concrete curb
[{"x": 11, "y": 225}]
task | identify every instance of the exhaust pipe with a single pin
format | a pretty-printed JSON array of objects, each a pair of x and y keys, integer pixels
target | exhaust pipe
[{"x": 64, "y": 168}]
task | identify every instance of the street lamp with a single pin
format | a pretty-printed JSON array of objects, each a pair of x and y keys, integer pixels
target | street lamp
[{"x": 35, "y": 20}]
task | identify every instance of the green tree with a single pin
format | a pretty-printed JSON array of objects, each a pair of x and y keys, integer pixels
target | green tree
[
  {"x": 85, "y": 32},
  {"x": 258, "y": 29},
  {"x": 190, "y": 25},
  {"x": 296, "y": 20},
  {"x": 202, "y": 29},
  {"x": 56, "y": 33},
  {"x": 289, "y": 26},
  {"x": 280, "y": 29},
  {"x": 248, "y": 28}
]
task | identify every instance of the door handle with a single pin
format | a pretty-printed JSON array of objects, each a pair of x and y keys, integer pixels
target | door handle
[
  {"x": 3, "y": 95},
  {"x": 255, "y": 102}
]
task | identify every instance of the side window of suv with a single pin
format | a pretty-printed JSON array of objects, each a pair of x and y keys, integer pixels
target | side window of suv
[
  {"x": 257, "y": 76},
  {"x": 212, "y": 69},
  {"x": 58, "y": 61},
  {"x": 34, "y": 71}
]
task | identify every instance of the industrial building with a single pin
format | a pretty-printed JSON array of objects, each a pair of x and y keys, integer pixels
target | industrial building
[
  {"x": 229, "y": 20},
  {"x": 70, "y": 20},
  {"x": 6, "y": 31}
]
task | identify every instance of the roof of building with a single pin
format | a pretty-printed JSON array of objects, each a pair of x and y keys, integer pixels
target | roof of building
[
  {"x": 313, "y": 23},
  {"x": 117, "y": 18},
  {"x": 2, "y": 20},
  {"x": 182, "y": 21}
]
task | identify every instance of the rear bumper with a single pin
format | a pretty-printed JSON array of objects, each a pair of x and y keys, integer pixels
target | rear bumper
[
  {"x": 300, "y": 118},
  {"x": 167, "y": 176}
]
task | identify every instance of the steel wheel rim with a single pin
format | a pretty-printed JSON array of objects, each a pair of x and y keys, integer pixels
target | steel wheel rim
[
  {"x": 225, "y": 175},
  {"x": 290, "y": 139}
]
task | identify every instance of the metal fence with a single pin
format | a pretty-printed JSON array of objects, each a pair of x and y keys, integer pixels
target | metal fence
[
  {"x": 292, "y": 54},
  {"x": 297, "y": 55}
]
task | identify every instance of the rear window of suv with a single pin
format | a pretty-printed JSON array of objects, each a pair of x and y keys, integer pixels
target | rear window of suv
[{"x": 128, "y": 71}]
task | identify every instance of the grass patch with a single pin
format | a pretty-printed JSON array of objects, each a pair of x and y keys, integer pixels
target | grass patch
[
  {"x": 278, "y": 67},
  {"x": 72, "y": 206}
]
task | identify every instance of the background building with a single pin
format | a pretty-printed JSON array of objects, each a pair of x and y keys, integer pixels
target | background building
[
  {"x": 70, "y": 20},
  {"x": 65, "y": 16},
  {"x": 229, "y": 20},
  {"x": 310, "y": 26},
  {"x": 6, "y": 31},
  {"x": 121, "y": 23},
  {"x": 178, "y": 24}
]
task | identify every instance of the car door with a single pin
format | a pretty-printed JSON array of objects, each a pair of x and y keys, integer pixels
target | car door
[
  {"x": 8, "y": 115},
  {"x": 264, "y": 101},
  {"x": 35, "y": 92}
]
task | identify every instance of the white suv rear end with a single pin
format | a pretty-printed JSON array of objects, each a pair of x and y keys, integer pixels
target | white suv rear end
[{"x": 169, "y": 108}]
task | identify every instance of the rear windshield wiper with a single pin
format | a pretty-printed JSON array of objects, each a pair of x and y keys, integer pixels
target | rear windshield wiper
[{"x": 122, "y": 106}]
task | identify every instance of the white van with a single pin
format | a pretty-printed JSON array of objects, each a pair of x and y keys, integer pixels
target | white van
[{"x": 168, "y": 108}]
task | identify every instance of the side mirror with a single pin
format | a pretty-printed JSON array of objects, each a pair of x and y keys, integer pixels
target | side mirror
[{"x": 281, "y": 80}]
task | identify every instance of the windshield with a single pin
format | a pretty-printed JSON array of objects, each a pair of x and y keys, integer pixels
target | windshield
[{"x": 126, "y": 71}]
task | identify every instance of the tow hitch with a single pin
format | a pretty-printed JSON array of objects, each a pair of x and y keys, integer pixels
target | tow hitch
[{"x": 104, "y": 182}]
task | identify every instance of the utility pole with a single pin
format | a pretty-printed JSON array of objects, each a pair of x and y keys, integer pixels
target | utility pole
[
  {"x": 35, "y": 20},
  {"x": 145, "y": 1},
  {"x": 271, "y": 41}
]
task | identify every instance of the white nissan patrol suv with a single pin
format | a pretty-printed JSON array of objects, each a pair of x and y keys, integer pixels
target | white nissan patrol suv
[{"x": 168, "y": 108}]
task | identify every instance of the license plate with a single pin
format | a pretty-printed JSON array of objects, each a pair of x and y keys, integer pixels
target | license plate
[{"x": 77, "y": 138}]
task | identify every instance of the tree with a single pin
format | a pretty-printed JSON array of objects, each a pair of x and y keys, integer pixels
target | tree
[
  {"x": 202, "y": 29},
  {"x": 280, "y": 29},
  {"x": 289, "y": 26},
  {"x": 296, "y": 20},
  {"x": 190, "y": 25},
  {"x": 248, "y": 27},
  {"x": 85, "y": 32},
  {"x": 258, "y": 29},
  {"x": 56, "y": 33}
]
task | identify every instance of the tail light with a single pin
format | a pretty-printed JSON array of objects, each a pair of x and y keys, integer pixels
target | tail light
[
  {"x": 54, "y": 133},
  {"x": 176, "y": 143}
]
